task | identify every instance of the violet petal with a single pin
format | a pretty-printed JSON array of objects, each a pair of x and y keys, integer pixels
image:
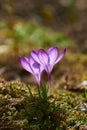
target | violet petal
[
  {"x": 61, "y": 56},
  {"x": 24, "y": 61},
  {"x": 37, "y": 70},
  {"x": 43, "y": 57},
  {"x": 53, "y": 54},
  {"x": 34, "y": 55},
  {"x": 34, "y": 65}
]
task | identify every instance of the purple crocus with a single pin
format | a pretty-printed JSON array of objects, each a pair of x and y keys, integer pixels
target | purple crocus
[
  {"x": 30, "y": 65},
  {"x": 48, "y": 58}
]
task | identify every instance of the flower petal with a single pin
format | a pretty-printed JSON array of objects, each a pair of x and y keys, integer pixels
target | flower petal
[
  {"x": 61, "y": 56},
  {"x": 43, "y": 57},
  {"x": 53, "y": 54},
  {"x": 24, "y": 61},
  {"x": 50, "y": 49},
  {"x": 37, "y": 70},
  {"x": 34, "y": 65},
  {"x": 34, "y": 55},
  {"x": 41, "y": 68}
]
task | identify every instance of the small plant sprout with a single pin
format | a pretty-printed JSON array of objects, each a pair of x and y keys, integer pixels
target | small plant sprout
[
  {"x": 30, "y": 65},
  {"x": 48, "y": 59}
]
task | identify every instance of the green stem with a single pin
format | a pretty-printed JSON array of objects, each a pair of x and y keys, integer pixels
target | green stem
[
  {"x": 39, "y": 92},
  {"x": 49, "y": 84}
]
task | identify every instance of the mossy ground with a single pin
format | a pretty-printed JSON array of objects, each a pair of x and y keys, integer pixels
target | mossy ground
[{"x": 60, "y": 111}]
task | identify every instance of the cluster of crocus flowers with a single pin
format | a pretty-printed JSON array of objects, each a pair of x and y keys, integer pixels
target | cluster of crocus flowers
[{"x": 41, "y": 60}]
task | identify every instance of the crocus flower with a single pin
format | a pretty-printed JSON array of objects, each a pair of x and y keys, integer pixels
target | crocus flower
[
  {"x": 48, "y": 58},
  {"x": 30, "y": 65}
]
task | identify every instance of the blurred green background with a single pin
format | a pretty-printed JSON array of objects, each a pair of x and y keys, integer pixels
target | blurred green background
[{"x": 43, "y": 23}]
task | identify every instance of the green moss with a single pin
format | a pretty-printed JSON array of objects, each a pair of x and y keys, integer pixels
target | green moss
[{"x": 59, "y": 112}]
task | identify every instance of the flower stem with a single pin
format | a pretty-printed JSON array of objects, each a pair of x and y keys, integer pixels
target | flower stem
[
  {"x": 49, "y": 84},
  {"x": 39, "y": 91}
]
